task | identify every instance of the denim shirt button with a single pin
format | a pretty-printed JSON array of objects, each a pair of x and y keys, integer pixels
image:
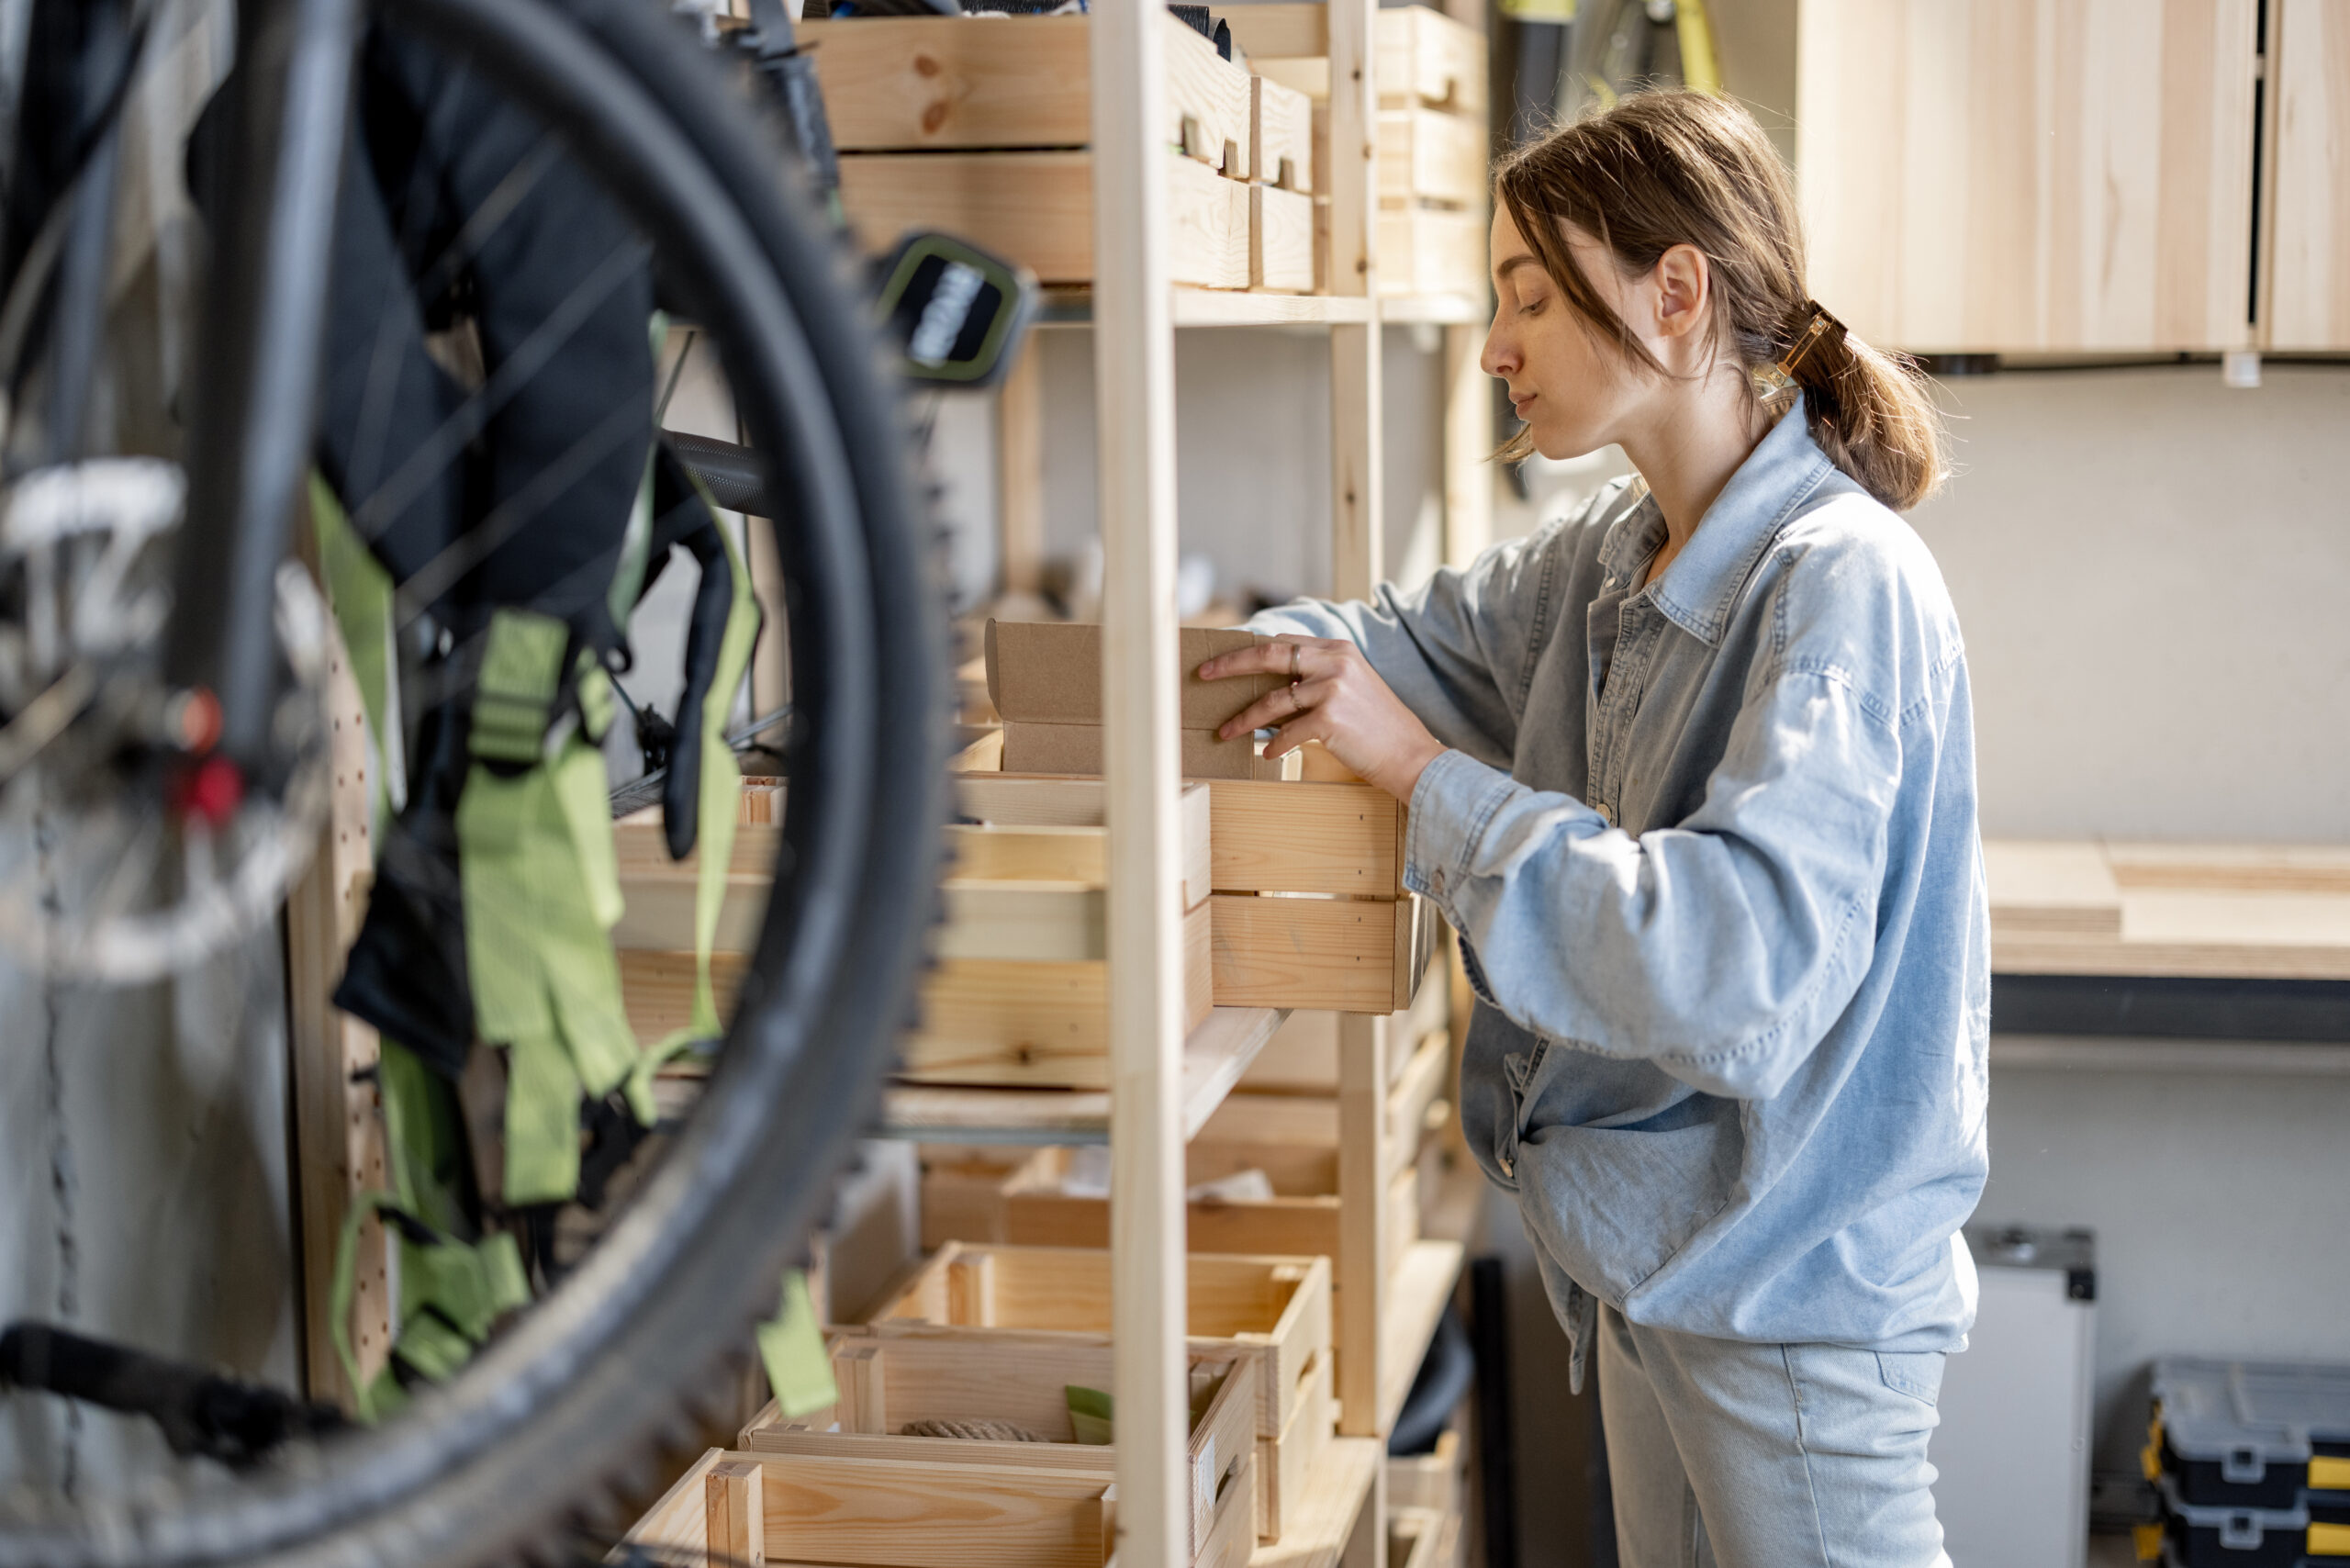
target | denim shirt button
[
  {"x": 1606, "y": 812},
  {"x": 1509, "y": 1166}
]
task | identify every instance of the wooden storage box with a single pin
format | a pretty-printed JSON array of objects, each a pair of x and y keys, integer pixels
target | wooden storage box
[
  {"x": 1276, "y": 1310},
  {"x": 1423, "y": 58},
  {"x": 1308, "y": 909},
  {"x": 940, "y": 84},
  {"x": 980, "y": 129},
  {"x": 1020, "y": 994},
  {"x": 1422, "y": 1538},
  {"x": 1431, "y": 250},
  {"x": 887, "y": 1384},
  {"x": 742, "y": 1507},
  {"x": 1437, "y": 1481},
  {"x": 1037, "y": 209},
  {"x": 1429, "y": 155},
  {"x": 1022, "y": 1203}
]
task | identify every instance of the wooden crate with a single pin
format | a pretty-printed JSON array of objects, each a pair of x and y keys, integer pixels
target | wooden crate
[
  {"x": 1429, "y": 155},
  {"x": 1037, "y": 1023},
  {"x": 1283, "y": 1463},
  {"x": 887, "y": 1383},
  {"x": 1277, "y": 1309},
  {"x": 1423, "y": 58},
  {"x": 1280, "y": 240},
  {"x": 735, "y": 1506},
  {"x": 1344, "y": 839},
  {"x": 1022, "y": 1203},
  {"x": 1281, "y": 131},
  {"x": 1037, "y": 209},
  {"x": 1339, "y": 954},
  {"x": 1021, "y": 992},
  {"x": 1357, "y": 944},
  {"x": 1437, "y": 1481},
  {"x": 1431, "y": 250},
  {"x": 937, "y": 83},
  {"x": 1422, "y": 1538}
]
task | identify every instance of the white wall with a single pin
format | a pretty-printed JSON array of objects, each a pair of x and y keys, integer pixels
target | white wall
[{"x": 2154, "y": 575}]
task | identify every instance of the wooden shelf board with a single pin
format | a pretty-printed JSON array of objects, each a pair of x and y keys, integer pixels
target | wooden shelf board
[
  {"x": 1228, "y": 308},
  {"x": 1215, "y": 1057},
  {"x": 1418, "y": 1291},
  {"x": 1439, "y": 310},
  {"x": 1336, "y": 1489}
]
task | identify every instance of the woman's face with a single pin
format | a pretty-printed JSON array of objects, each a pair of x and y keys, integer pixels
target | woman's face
[{"x": 1573, "y": 390}]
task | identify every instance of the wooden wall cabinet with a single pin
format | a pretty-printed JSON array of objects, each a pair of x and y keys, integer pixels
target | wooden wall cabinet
[
  {"x": 2305, "y": 303},
  {"x": 2043, "y": 176}
]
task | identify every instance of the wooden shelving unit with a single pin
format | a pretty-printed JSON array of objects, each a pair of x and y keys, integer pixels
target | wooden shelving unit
[{"x": 1388, "y": 1308}]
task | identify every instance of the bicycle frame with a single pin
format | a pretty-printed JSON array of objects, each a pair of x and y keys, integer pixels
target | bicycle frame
[{"x": 257, "y": 372}]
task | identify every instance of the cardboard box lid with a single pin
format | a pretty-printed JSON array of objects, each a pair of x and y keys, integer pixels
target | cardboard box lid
[{"x": 1046, "y": 672}]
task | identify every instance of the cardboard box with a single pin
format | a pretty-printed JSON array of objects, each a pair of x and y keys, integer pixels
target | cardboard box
[
  {"x": 1077, "y": 748},
  {"x": 1050, "y": 673}
]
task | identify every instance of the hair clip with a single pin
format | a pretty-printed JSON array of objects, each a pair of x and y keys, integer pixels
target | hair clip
[{"x": 1819, "y": 324}]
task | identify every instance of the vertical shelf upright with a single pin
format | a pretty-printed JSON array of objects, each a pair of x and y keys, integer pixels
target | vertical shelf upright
[{"x": 1134, "y": 351}]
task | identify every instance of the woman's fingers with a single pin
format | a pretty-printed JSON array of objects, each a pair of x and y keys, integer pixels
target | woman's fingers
[
  {"x": 1289, "y": 655},
  {"x": 1276, "y": 709}
]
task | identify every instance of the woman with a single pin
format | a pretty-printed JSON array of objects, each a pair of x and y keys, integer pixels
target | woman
[{"x": 1691, "y": 774}]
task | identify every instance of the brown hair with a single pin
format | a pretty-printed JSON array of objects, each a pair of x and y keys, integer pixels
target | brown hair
[{"x": 1660, "y": 169}]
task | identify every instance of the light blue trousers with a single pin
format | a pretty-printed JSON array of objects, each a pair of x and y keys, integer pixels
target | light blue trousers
[{"x": 1728, "y": 1455}]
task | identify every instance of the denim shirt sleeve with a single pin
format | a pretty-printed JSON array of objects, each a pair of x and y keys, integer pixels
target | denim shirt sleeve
[
  {"x": 1454, "y": 648},
  {"x": 1721, "y": 948}
]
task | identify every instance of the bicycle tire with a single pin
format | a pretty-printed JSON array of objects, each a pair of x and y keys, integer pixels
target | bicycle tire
[{"x": 592, "y": 1382}]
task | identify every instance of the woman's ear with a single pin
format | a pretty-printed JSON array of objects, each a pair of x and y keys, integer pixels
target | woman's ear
[{"x": 1682, "y": 282}]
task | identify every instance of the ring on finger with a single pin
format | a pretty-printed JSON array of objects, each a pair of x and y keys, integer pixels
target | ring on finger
[
  {"x": 1297, "y": 703},
  {"x": 1296, "y": 662}
]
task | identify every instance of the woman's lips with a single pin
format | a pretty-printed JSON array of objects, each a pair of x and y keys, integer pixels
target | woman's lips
[{"x": 1522, "y": 404}]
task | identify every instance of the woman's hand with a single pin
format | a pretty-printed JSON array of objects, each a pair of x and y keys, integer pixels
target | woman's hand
[{"x": 1335, "y": 697}]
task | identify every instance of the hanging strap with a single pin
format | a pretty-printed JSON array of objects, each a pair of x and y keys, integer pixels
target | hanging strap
[
  {"x": 718, "y": 807},
  {"x": 791, "y": 1347}
]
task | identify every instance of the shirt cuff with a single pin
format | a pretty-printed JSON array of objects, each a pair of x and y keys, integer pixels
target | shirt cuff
[{"x": 1455, "y": 798}]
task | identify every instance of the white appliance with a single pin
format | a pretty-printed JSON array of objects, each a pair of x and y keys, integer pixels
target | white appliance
[{"x": 2013, "y": 1445}]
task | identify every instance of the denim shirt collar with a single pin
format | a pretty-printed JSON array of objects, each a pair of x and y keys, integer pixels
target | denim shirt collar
[{"x": 1701, "y": 587}]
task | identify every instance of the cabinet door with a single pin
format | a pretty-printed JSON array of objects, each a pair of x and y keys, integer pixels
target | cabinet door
[
  {"x": 2029, "y": 175},
  {"x": 2309, "y": 285}
]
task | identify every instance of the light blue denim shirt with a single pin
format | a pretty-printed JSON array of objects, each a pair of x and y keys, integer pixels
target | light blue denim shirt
[{"x": 1710, "y": 846}]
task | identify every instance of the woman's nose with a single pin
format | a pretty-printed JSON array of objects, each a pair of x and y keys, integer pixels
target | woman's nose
[{"x": 1500, "y": 356}]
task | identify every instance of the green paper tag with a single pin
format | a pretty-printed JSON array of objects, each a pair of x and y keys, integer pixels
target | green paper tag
[
  {"x": 1091, "y": 1415},
  {"x": 800, "y": 1370}
]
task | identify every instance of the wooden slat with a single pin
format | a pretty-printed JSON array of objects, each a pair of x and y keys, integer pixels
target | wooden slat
[
  {"x": 1425, "y": 155},
  {"x": 1281, "y": 240},
  {"x": 886, "y": 1514},
  {"x": 1006, "y": 801},
  {"x": 927, "y": 83},
  {"x": 1282, "y": 128},
  {"x": 1419, "y": 1288},
  {"x": 1423, "y": 58},
  {"x": 1342, "y": 955},
  {"x": 1431, "y": 250},
  {"x": 1305, "y": 839},
  {"x": 735, "y": 1518},
  {"x": 1277, "y": 1309},
  {"x": 1215, "y": 1054},
  {"x": 1037, "y": 209},
  {"x": 1284, "y": 1464},
  {"x": 2307, "y": 301},
  {"x": 1340, "y": 1494}
]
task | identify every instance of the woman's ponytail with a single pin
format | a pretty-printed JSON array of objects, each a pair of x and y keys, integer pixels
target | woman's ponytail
[
  {"x": 1868, "y": 410},
  {"x": 1660, "y": 169}
]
